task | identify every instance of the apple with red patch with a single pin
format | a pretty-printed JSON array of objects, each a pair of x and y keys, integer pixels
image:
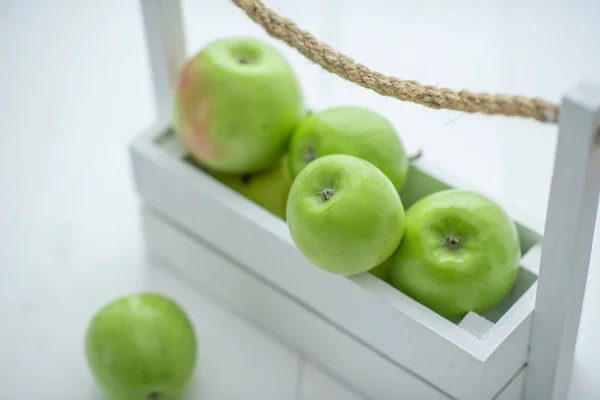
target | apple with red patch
[{"x": 236, "y": 104}]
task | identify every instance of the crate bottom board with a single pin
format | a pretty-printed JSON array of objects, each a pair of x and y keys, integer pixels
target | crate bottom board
[{"x": 290, "y": 322}]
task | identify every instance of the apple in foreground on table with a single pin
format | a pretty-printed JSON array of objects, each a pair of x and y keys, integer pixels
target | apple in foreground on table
[
  {"x": 236, "y": 104},
  {"x": 269, "y": 189},
  {"x": 460, "y": 252},
  {"x": 354, "y": 131},
  {"x": 141, "y": 346},
  {"x": 344, "y": 214}
]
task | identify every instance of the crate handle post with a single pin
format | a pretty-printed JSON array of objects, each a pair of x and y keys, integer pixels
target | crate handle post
[
  {"x": 567, "y": 244},
  {"x": 165, "y": 41}
]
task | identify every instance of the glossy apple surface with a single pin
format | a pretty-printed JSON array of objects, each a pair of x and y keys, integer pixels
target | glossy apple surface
[
  {"x": 236, "y": 104},
  {"x": 141, "y": 346},
  {"x": 460, "y": 252},
  {"x": 344, "y": 214},
  {"x": 350, "y": 130}
]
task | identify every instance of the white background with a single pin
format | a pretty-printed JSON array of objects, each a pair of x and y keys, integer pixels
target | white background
[{"x": 74, "y": 91}]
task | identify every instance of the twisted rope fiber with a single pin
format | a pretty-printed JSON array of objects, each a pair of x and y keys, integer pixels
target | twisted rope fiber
[{"x": 407, "y": 90}]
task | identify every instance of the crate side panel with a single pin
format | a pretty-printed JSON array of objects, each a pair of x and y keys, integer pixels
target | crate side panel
[
  {"x": 262, "y": 242},
  {"x": 511, "y": 335},
  {"x": 510, "y": 338},
  {"x": 514, "y": 390},
  {"x": 419, "y": 312},
  {"x": 298, "y": 327}
]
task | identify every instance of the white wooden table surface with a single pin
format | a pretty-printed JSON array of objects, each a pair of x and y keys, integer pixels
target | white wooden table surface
[{"x": 74, "y": 90}]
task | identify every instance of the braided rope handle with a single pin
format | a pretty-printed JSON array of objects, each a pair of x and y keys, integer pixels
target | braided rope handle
[{"x": 407, "y": 90}]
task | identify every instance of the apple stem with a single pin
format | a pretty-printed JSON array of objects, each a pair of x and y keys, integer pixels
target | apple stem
[
  {"x": 415, "y": 156},
  {"x": 326, "y": 193},
  {"x": 244, "y": 59},
  {"x": 452, "y": 242},
  {"x": 246, "y": 179},
  {"x": 153, "y": 395}
]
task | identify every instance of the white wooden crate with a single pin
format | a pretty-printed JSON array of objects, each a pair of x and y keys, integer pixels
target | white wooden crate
[
  {"x": 410, "y": 335},
  {"x": 362, "y": 330}
]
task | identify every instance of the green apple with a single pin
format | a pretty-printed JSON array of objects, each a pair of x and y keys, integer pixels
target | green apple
[
  {"x": 344, "y": 214},
  {"x": 354, "y": 131},
  {"x": 236, "y": 103},
  {"x": 460, "y": 252},
  {"x": 141, "y": 346},
  {"x": 269, "y": 189}
]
